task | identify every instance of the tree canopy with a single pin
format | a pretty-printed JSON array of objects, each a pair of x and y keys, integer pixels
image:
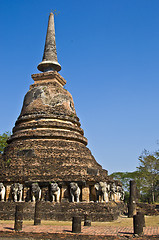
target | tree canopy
[
  {"x": 125, "y": 178},
  {"x": 146, "y": 176},
  {"x": 149, "y": 173},
  {"x": 3, "y": 141}
]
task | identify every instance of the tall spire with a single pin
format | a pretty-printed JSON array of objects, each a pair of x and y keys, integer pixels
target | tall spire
[{"x": 49, "y": 61}]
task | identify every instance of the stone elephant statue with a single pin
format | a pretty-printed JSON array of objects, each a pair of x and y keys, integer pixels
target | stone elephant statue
[
  {"x": 35, "y": 192},
  {"x": 113, "y": 191},
  {"x": 54, "y": 192},
  {"x": 75, "y": 192},
  {"x": 102, "y": 190},
  {"x": 120, "y": 193},
  {"x": 17, "y": 192},
  {"x": 2, "y": 191}
]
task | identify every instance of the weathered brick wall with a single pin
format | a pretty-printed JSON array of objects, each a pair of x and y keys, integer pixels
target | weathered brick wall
[
  {"x": 47, "y": 142},
  {"x": 64, "y": 211},
  {"x": 149, "y": 209}
]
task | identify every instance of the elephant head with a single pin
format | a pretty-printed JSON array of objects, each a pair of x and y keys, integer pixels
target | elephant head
[
  {"x": 73, "y": 186},
  {"x": 113, "y": 191},
  {"x": 54, "y": 187},
  {"x": 121, "y": 193},
  {"x": 101, "y": 186},
  {"x": 55, "y": 192},
  {"x": 102, "y": 190},
  {"x": 1, "y": 187},
  {"x": 113, "y": 187},
  {"x": 16, "y": 190},
  {"x": 35, "y": 192}
]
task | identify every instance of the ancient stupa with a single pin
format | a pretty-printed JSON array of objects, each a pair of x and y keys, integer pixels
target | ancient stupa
[{"x": 48, "y": 144}]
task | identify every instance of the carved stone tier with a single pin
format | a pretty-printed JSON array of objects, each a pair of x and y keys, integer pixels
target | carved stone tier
[{"x": 47, "y": 142}]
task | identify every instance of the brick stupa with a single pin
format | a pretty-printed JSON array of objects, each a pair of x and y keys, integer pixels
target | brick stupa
[{"x": 47, "y": 143}]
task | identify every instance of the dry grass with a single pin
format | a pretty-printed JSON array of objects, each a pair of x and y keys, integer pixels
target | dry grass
[
  {"x": 121, "y": 222},
  {"x": 128, "y": 222}
]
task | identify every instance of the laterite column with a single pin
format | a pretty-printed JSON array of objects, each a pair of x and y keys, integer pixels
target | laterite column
[
  {"x": 76, "y": 224},
  {"x": 138, "y": 223},
  {"x": 132, "y": 199},
  {"x": 37, "y": 213},
  {"x": 87, "y": 220},
  {"x": 18, "y": 217}
]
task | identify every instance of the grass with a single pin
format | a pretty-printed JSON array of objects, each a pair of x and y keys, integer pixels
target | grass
[
  {"x": 128, "y": 222},
  {"x": 122, "y": 221}
]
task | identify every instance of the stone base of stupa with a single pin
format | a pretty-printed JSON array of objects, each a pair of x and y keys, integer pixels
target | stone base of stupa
[{"x": 102, "y": 212}]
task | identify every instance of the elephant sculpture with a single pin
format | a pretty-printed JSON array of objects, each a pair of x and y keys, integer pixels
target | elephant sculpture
[
  {"x": 54, "y": 192},
  {"x": 75, "y": 192},
  {"x": 102, "y": 190},
  {"x": 122, "y": 196},
  {"x": 2, "y": 191},
  {"x": 113, "y": 190},
  {"x": 35, "y": 192},
  {"x": 17, "y": 192},
  {"x": 120, "y": 193}
]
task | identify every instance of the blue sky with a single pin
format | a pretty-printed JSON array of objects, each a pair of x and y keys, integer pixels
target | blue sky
[{"x": 109, "y": 53}]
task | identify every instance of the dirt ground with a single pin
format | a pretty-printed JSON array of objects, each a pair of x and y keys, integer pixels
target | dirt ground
[
  {"x": 56, "y": 230},
  {"x": 122, "y": 221}
]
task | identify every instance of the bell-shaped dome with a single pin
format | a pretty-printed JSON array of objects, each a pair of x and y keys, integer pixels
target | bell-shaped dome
[{"x": 47, "y": 142}]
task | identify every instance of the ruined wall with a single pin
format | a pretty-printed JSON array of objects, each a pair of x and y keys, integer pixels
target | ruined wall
[
  {"x": 65, "y": 211},
  {"x": 149, "y": 209}
]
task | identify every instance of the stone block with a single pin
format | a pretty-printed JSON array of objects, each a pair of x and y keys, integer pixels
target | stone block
[
  {"x": 85, "y": 194},
  {"x": 8, "y": 188},
  {"x": 64, "y": 194}
]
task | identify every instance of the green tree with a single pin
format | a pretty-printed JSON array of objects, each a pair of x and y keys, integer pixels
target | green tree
[
  {"x": 146, "y": 177},
  {"x": 149, "y": 173},
  {"x": 124, "y": 178},
  {"x": 3, "y": 141}
]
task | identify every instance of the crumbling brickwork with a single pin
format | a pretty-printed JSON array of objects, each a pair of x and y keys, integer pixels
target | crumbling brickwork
[{"x": 47, "y": 142}]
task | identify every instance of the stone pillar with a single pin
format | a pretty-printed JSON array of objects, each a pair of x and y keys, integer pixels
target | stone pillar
[
  {"x": 93, "y": 195},
  {"x": 142, "y": 218},
  {"x": 85, "y": 194},
  {"x": 100, "y": 198},
  {"x": 44, "y": 193},
  {"x": 64, "y": 194},
  {"x": 138, "y": 223},
  {"x": 132, "y": 199},
  {"x": 37, "y": 213},
  {"x": 87, "y": 220},
  {"x": 18, "y": 217},
  {"x": 8, "y": 188},
  {"x": 76, "y": 224},
  {"x": 115, "y": 197},
  {"x": 25, "y": 193}
]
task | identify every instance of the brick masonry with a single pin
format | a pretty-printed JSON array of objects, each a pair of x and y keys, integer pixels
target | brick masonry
[
  {"x": 64, "y": 211},
  {"x": 149, "y": 209},
  {"x": 47, "y": 143}
]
